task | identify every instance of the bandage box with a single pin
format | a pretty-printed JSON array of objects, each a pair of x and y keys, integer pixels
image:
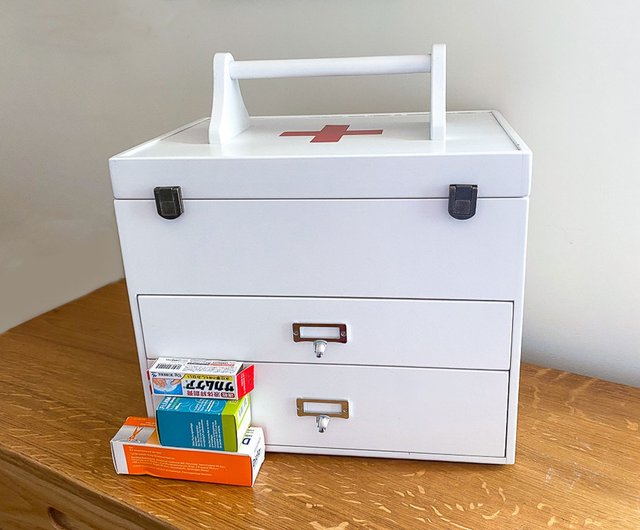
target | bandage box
[
  {"x": 136, "y": 451},
  {"x": 216, "y": 424},
  {"x": 205, "y": 378}
]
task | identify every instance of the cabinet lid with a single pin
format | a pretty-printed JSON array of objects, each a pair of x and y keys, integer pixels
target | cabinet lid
[{"x": 335, "y": 156}]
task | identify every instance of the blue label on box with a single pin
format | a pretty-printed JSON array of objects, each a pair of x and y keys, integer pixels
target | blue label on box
[{"x": 202, "y": 423}]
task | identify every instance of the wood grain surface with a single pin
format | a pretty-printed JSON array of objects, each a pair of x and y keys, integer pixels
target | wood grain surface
[{"x": 70, "y": 377}]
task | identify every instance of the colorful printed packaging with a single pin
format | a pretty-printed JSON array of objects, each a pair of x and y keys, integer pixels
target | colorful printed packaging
[
  {"x": 205, "y": 378},
  {"x": 215, "y": 424},
  {"x": 136, "y": 451}
]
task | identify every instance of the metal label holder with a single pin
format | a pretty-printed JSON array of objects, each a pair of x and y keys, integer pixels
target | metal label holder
[
  {"x": 342, "y": 332},
  {"x": 344, "y": 407}
]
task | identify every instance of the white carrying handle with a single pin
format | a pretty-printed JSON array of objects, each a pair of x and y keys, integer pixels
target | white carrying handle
[{"x": 229, "y": 116}]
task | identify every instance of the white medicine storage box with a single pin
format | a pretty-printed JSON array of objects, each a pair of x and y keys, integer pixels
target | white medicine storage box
[{"x": 370, "y": 266}]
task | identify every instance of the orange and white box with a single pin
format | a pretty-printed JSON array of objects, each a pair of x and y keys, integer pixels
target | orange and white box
[{"x": 136, "y": 450}]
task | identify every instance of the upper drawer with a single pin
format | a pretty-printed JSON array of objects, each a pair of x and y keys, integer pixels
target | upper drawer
[
  {"x": 357, "y": 248},
  {"x": 423, "y": 333}
]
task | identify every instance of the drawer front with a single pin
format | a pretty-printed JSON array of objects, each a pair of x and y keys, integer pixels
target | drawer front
[
  {"x": 424, "y": 333},
  {"x": 399, "y": 248},
  {"x": 417, "y": 410},
  {"x": 34, "y": 496}
]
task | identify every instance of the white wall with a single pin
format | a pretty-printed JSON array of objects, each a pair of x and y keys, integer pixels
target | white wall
[{"x": 82, "y": 80}]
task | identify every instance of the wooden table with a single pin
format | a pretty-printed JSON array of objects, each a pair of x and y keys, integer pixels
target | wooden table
[{"x": 70, "y": 377}]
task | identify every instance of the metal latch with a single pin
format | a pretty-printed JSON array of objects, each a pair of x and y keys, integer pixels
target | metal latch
[
  {"x": 462, "y": 200},
  {"x": 168, "y": 201}
]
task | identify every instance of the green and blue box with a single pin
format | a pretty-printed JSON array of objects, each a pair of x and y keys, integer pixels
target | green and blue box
[{"x": 216, "y": 424}]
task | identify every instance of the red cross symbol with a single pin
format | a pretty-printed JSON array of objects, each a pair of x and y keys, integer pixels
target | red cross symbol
[{"x": 331, "y": 133}]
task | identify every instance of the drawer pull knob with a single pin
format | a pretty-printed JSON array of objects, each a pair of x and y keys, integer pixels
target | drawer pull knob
[
  {"x": 318, "y": 348},
  {"x": 322, "y": 422},
  {"x": 59, "y": 520}
]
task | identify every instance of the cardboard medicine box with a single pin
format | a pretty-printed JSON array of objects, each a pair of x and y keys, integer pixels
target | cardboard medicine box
[
  {"x": 215, "y": 424},
  {"x": 204, "y": 378},
  {"x": 136, "y": 451}
]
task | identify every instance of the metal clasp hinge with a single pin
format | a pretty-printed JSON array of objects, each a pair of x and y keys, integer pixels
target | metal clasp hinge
[
  {"x": 169, "y": 201},
  {"x": 462, "y": 200}
]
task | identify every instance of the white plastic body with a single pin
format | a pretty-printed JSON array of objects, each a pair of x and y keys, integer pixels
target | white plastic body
[
  {"x": 280, "y": 230},
  {"x": 362, "y": 258},
  {"x": 229, "y": 115}
]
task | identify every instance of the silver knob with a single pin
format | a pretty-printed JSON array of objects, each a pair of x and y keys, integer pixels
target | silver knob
[
  {"x": 322, "y": 422},
  {"x": 319, "y": 346}
]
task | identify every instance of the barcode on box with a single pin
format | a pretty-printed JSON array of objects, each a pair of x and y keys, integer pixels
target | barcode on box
[{"x": 166, "y": 366}]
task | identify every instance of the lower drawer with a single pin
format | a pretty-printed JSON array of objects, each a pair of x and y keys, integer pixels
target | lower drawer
[{"x": 416, "y": 410}]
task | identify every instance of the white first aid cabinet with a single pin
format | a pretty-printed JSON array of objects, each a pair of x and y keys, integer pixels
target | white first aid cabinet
[{"x": 371, "y": 266}]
